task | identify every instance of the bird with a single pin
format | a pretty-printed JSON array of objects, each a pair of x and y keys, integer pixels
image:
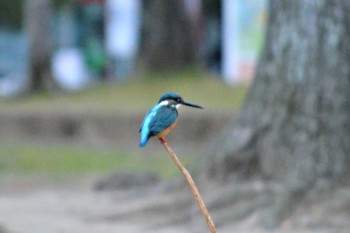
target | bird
[{"x": 162, "y": 117}]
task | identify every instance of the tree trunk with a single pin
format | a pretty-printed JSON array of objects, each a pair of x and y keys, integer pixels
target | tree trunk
[
  {"x": 294, "y": 126},
  {"x": 295, "y": 123},
  {"x": 167, "y": 41},
  {"x": 38, "y": 25}
]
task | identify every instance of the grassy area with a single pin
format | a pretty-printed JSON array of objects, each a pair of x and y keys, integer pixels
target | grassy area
[
  {"x": 69, "y": 160},
  {"x": 142, "y": 92},
  {"x": 137, "y": 94}
]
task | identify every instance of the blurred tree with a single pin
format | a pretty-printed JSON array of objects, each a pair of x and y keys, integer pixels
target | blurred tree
[
  {"x": 294, "y": 126},
  {"x": 38, "y": 16},
  {"x": 167, "y": 41}
]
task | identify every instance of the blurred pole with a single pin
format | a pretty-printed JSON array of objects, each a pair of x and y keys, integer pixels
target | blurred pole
[
  {"x": 122, "y": 26},
  {"x": 230, "y": 41},
  {"x": 37, "y": 21}
]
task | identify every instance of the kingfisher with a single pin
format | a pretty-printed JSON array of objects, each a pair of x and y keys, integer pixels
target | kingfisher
[{"x": 162, "y": 118}]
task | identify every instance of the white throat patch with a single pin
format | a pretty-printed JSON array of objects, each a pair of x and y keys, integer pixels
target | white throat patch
[
  {"x": 177, "y": 106},
  {"x": 164, "y": 103}
]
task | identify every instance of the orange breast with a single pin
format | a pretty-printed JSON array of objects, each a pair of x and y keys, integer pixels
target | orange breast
[{"x": 167, "y": 130}]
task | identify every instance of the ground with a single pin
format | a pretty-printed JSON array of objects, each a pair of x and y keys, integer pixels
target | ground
[
  {"x": 42, "y": 204},
  {"x": 75, "y": 206},
  {"x": 38, "y": 141}
]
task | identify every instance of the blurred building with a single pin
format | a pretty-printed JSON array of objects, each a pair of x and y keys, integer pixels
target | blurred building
[{"x": 234, "y": 36}]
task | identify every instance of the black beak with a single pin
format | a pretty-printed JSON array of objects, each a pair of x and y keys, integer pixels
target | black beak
[{"x": 191, "y": 104}]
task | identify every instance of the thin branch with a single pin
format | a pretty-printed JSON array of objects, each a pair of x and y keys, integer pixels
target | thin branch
[{"x": 192, "y": 185}]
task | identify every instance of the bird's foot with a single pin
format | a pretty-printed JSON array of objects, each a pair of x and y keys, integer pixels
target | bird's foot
[{"x": 163, "y": 140}]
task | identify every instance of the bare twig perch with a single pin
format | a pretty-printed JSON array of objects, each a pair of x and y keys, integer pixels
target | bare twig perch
[{"x": 192, "y": 185}]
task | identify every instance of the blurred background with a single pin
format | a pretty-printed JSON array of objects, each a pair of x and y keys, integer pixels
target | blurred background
[
  {"x": 83, "y": 73},
  {"x": 85, "y": 42},
  {"x": 77, "y": 77}
]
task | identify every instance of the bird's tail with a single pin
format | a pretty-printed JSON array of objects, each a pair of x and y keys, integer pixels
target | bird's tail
[{"x": 143, "y": 140}]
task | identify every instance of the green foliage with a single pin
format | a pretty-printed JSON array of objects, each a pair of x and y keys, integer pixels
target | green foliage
[
  {"x": 60, "y": 3},
  {"x": 11, "y": 13}
]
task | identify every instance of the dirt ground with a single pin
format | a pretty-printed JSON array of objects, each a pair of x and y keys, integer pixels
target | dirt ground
[{"x": 42, "y": 205}]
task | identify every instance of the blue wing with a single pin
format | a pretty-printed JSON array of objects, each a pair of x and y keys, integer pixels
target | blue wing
[
  {"x": 144, "y": 130},
  {"x": 157, "y": 119}
]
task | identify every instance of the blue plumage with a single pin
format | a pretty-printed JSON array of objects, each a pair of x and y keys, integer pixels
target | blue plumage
[
  {"x": 162, "y": 117},
  {"x": 159, "y": 118}
]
